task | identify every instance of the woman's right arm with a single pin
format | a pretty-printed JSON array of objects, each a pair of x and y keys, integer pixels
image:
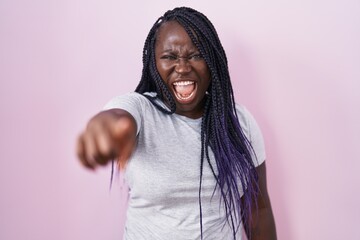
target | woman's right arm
[{"x": 110, "y": 134}]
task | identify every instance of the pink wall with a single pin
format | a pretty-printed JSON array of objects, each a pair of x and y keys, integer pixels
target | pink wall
[{"x": 295, "y": 65}]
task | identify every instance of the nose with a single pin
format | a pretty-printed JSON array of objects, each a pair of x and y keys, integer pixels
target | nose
[{"x": 182, "y": 65}]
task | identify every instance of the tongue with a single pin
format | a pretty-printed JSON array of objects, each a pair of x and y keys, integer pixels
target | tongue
[{"x": 184, "y": 90}]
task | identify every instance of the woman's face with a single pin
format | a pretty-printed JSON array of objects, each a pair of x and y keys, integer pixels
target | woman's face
[{"x": 182, "y": 68}]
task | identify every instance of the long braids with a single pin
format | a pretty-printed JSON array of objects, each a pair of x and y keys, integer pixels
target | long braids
[{"x": 220, "y": 128}]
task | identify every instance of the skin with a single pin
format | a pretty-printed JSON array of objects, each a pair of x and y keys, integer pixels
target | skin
[
  {"x": 178, "y": 59},
  {"x": 263, "y": 223},
  {"x": 111, "y": 134}
]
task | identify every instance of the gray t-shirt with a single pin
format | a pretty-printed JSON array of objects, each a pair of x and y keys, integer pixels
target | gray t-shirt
[{"x": 163, "y": 175}]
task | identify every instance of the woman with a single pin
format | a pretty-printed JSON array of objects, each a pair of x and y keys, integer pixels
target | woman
[{"x": 193, "y": 159}]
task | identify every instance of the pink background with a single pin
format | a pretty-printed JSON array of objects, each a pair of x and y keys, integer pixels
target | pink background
[{"x": 294, "y": 64}]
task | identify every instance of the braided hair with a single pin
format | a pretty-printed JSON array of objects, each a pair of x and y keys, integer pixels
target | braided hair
[{"x": 220, "y": 128}]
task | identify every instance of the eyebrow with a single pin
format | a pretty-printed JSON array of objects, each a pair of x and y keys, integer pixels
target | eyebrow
[
  {"x": 168, "y": 50},
  {"x": 191, "y": 51}
]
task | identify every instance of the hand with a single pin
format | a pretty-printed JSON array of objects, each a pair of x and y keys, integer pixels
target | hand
[{"x": 109, "y": 135}]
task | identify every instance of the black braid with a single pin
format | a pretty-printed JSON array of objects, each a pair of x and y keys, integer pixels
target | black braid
[{"x": 220, "y": 128}]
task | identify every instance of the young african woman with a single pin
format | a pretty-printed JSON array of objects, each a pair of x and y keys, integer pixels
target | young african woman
[{"x": 194, "y": 160}]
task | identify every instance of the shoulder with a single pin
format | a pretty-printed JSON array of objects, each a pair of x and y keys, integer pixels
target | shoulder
[
  {"x": 134, "y": 103},
  {"x": 246, "y": 119},
  {"x": 131, "y": 98},
  {"x": 252, "y": 131}
]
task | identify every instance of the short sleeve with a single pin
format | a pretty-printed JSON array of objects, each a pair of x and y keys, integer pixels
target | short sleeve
[
  {"x": 130, "y": 102},
  {"x": 253, "y": 133}
]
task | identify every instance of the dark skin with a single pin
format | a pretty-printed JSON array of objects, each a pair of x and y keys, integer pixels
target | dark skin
[
  {"x": 178, "y": 60},
  {"x": 111, "y": 134},
  {"x": 263, "y": 223}
]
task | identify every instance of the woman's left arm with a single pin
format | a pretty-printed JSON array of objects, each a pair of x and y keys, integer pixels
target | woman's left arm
[{"x": 263, "y": 223}]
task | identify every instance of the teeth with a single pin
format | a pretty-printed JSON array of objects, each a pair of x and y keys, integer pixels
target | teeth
[
  {"x": 183, "y": 83},
  {"x": 184, "y": 98}
]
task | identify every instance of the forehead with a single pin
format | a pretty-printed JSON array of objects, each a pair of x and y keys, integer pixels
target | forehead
[{"x": 173, "y": 34}]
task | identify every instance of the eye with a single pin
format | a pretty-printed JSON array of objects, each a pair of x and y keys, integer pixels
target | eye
[
  {"x": 168, "y": 57},
  {"x": 196, "y": 56}
]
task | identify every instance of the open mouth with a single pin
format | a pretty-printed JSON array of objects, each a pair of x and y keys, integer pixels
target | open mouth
[{"x": 184, "y": 90}]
